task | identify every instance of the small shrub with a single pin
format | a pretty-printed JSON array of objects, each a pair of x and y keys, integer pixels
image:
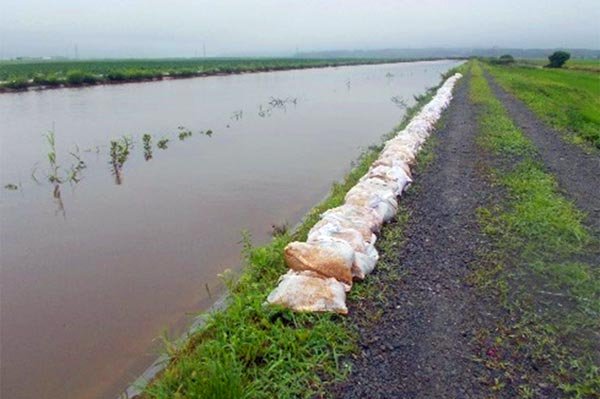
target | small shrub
[
  {"x": 558, "y": 59},
  {"x": 506, "y": 59}
]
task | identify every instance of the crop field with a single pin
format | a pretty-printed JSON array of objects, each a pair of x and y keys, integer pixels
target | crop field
[
  {"x": 569, "y": 100},
  {"x": 18, "y": 75}
]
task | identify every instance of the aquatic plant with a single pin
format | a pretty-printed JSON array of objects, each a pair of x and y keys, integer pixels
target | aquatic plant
[
  {"x": 74, "y": 173},
  {"x": 147, "y": 142},
  {"x": 11, "y": 187},
  {"x": 399, "y": 101},
  {"x": 53, "y": 172},
  {"x": 237, "y": 115},
  {"x": 209, "y": 133},
  {"x": 263, "y": 112},
  {"x": 184, "y": 133},
  {"x": 119, "y": 153},
  {"x": 162, "y": 143},
  {"x": 280, "y": 229}
]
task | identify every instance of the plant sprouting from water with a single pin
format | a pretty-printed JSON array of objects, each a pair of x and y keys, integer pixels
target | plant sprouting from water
[
  {"x": 11, "y": 187},
  {"x": 57, "y": 174},
  {"x": 237, "y": 115},
  {"x": 400, "y": 102},
  {"x": 119, "y": 153},
  {"x": 209, "y": 133},
  {"x": 53, "y": 171},
  {"x": 147, "y": 142},
  {"x": 184, "y": 133},
  {"x": 163, "y": 143}
]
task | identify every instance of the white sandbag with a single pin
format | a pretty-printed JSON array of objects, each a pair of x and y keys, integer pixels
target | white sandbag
[
  {"x": 365, "y": 254},
  {"x": 336, "y": 231},
  {"x": 374, "y": 194},
  {"x": 391, "y": 161},
  {"x": 309, "y": 292},
  {"x": 352, "y": 212},
  {"x": 390, "y": 174},
  {"x": 328, "y": 258},
  {"x": 360, "y": 225},
  {"x": 364, "y": 263}
]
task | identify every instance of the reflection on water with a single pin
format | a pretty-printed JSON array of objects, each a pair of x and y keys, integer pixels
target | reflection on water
[{"x": 85, "y": 295}]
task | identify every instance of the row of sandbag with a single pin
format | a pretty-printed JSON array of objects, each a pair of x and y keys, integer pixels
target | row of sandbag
[{"x": 340, "y": 247}]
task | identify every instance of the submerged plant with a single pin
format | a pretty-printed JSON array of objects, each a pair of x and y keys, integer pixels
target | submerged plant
[
  {"x": 400, "y": 102},
  {"x": 147, "y": 142},
  {"x": 74, "y": 173},
  {"x": 162, "y": 143},
  {"x": 119, "y": 153},
  {"x": 53, "y": 172},
  {"x": 184, "y": 133},
  {"x": 279, "y": 229},
  {"x": 237, "y": 115}
]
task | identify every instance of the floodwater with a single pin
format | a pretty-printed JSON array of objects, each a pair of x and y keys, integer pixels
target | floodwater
[{"x": 92, "y": 271}]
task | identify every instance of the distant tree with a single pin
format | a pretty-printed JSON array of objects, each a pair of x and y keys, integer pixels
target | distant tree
[
  {"x": 558, "y": 59},
  {"x": 506, "y": 59}
]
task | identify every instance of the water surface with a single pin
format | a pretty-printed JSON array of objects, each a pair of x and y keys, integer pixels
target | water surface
[{"x": 91, "y": 276}]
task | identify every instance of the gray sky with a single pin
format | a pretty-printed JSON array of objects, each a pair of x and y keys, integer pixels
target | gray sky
[{"x": 137, "y": 28}]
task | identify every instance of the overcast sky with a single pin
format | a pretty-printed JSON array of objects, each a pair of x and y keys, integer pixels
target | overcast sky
[{"x": 119, "y": 28}]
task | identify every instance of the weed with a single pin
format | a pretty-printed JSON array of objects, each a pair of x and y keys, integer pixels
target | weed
[
  {"x": 119, "y": 153},
  {"x": 184, "y": 133},
  {"x": 147, "y": 143},
  {"x": 162, "y": 143}
]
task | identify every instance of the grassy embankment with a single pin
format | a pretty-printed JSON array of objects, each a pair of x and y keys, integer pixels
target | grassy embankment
[
  {"x": 19, "y": 75},
  {"x": 251, "y": 350},
  {"x": 568, "y": 100},
  {"x": 542, "y": 270}
]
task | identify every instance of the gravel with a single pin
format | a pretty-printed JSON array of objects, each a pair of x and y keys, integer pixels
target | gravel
[{"x": 421, "y": 346}]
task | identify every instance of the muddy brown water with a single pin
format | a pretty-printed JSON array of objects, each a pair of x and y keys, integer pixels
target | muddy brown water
[{"x": 90, "y": 280}]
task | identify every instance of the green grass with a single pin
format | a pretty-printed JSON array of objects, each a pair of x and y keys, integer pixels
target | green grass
[
  {"x": 551, "y": 294},
  {"x": 258, "y": 351},
  {"x": 568, "y": 100},
  {"x": 17, "y": 75},
  {"x": 574, "y": 64}
]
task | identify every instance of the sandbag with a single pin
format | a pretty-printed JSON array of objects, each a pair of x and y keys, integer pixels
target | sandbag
[
  {"x": 374, "y": 194},
  {"x": 353, "y": 212},
  {"x": 392, "y": 161},
  {"x": 307, "y": 291},
  {"x": 336, "y": 231},
  {"x": 328, "y": 258},
  {"x": 359, "y": 225},
  {"x": 364, "y": 263},
  {"x": 390, "y": 174},
  {"x": 365, "y": 254}
]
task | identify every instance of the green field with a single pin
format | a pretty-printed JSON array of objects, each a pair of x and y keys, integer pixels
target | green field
[
  {"x": 18, "y": 75},
  {"x": 567, "y": 99},
  {"x": 578, "y": 64}
]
